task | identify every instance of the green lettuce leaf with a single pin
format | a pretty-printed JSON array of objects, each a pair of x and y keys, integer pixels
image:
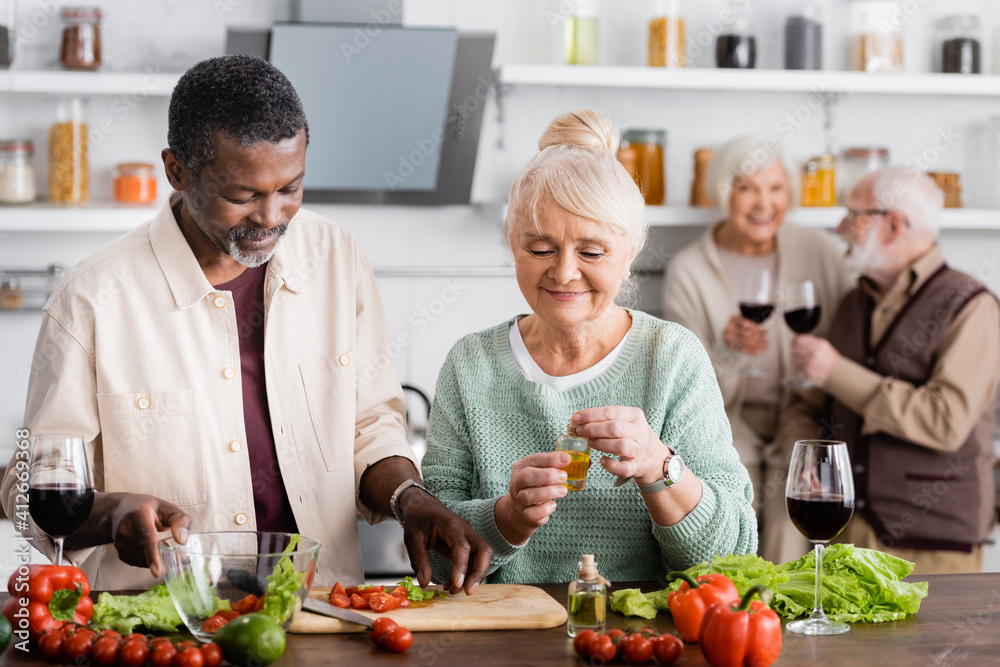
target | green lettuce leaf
[
  {"x": 859, "y": 585},
  {"x": 415, "y": 593},
  {"x": 153, "y": 610},
  {"x": 281, "y": 597},
  {"x": 631, "y": 602}
]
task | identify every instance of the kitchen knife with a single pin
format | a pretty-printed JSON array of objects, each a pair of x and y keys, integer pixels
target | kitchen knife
[{"x": 327, "y": 609}]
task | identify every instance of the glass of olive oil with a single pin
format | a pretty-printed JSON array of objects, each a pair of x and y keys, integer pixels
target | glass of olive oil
[
  {"x": 581, "y": 41},
  {"x": 579, "y": 458}
]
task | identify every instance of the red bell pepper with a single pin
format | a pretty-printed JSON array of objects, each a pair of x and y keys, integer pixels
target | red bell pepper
[
  {"x": 747, "y": 635},
  {"x": 48, "y": 597},
  {"x": 689, "y": 603}
]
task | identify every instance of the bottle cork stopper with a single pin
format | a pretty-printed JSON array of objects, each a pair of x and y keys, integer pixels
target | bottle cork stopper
[
  {"x": 571, "y": 430},
  {"x": 588, "y": 567}
]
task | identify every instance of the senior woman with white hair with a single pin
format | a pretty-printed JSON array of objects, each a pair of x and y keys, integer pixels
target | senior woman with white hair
[
  {"x": 748, "y": 180},
  {"x": 640, "y": 389}
]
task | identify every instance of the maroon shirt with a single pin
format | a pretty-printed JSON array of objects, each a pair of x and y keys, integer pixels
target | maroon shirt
[{"x": 271, "y": 506}]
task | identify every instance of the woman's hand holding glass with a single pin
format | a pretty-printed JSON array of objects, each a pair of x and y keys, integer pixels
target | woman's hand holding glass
[{"x": 536, "y": 481}]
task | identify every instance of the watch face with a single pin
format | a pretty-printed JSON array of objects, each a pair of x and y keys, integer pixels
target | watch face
[{"x": 675, "y": 468}]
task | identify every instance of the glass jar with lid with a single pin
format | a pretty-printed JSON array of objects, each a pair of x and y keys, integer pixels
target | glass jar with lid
[
  {"x": 876, "y": 36},
  {"x": 642, "y": 154},
  {"x": 819, "y": 181},
  {"x": 134, "y": 183},
  {"x": 69, "y": 169},
  {"x": 858, "y": 162},
  {"x": 958, "y": 43},
  {"x": 17, "y": 171},
  {"x": 81, "y": 38},
  {"x": 804, "y": 36},
  {"x": 7, "y": 16},
  {"x": 736, "y": 47},
  {"x": 581, "y": 40},
  {"x": 666, "y": 34}
]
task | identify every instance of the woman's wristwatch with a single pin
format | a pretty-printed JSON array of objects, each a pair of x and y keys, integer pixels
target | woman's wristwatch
[{"x": 673, "y": 471}]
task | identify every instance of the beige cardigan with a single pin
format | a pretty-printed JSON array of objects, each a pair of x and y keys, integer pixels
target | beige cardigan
[{"x": 698, "y": 296}]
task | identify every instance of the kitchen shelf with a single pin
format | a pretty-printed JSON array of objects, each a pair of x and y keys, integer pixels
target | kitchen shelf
[
  {"x": 728, "y": 80},
  {"x": 92, "y": 217},
  {"x": 150, "y": 82},
  {"x": 687, "y": 216}
]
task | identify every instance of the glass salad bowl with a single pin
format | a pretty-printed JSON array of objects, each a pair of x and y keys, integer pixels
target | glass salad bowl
[{"x": 211, "y": 578}]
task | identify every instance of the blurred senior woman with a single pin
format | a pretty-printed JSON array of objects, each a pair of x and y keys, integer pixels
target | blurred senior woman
[
  {"x": 640, "y": 389},
  {"x": 748, "y": 180}
]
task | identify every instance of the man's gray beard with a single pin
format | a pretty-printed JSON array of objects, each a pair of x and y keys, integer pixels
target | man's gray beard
[
  {"x": 864, "y": 257},
  {"x": 254, "y": 260}
]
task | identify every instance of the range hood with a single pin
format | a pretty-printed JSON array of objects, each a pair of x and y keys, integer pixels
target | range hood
[{"x": 394, "y": 113}]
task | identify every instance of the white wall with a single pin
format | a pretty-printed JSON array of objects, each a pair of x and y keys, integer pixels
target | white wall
[{"x": 169, "y": 35}]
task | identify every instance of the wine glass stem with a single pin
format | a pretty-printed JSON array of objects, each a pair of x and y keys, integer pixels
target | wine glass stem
[
  {"x": 59, "y": 550},
  {"x": 818, "y": 609}
]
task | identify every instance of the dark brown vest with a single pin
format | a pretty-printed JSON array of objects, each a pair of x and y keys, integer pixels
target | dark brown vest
[{"x": 912, "y": 496}]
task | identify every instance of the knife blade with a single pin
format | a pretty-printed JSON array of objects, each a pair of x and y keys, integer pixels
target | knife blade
[{"x": 327, "y": 609}]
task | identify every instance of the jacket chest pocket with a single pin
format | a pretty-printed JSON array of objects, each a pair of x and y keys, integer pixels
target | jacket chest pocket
[
  {"x": 331, "y": 394},
  {"x": 152, "y": 444}
]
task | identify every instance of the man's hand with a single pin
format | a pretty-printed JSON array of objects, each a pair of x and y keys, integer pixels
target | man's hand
[
  {"x": 815, "y": 357},
  {"x": 136, "y": 522},
  {"x": 745, "y": 336},
  {"x": 429, "y": 525}
]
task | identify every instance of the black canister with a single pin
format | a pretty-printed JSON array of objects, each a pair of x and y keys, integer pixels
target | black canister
[
  {"x": 959, "y": 49},
  {"x": 804, "y": 38}
]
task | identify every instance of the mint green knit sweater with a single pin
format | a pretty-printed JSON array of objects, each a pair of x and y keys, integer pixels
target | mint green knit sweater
[{"x": 487, "y": 415}]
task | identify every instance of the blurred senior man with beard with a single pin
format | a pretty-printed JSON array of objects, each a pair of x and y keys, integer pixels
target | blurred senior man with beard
[{"x": 908, "y": 380}]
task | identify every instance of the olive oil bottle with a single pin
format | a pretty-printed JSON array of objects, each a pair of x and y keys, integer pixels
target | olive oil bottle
[
  {"x": 588, "y": 598},
  {"x": 579, "y": 458}
]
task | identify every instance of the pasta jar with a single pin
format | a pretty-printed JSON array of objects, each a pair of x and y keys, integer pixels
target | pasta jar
[
  {"x": 81, "y": 38},
  {"x": 857, "y": 163},
  {"x": 134, "y": 183},
  {"x": 666, "y": 35},
  {"x": 17, "y": 173},
  {"x": 818, "y": 182},
  {"x": 69, "y": 177},
  {"x": 641, "y": 153},
  {"x": 876, "y": 40}
]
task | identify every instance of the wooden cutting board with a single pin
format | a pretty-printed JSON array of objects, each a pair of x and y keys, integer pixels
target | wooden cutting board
[{"x": 491, "y": 607}]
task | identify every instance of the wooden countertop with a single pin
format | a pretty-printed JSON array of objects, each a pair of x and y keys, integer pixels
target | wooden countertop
[{"x": 958, "y": 624}]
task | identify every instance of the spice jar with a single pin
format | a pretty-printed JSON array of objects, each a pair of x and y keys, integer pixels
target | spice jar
[
  {"x": 11, "y": 294},
  {"x": 857, "y": 163},
  {"x": 737, "y": 47},
  {"x": 581, "y": 40},
  {"x": 134, "y": 183},
  {"x": 7, "y": 16},
  {"x": 959, "y": 47},
  {"x": 81, "y": 38},
  {"x": 68, "y": 167},
  {"x": 641, "y": 153},
  {"x": 666, "y": 35},
  {"x": 17, "y": 172},
  {"x": 818, "y": 182},
  {"x": 804, "y": 36},
  {"x": 876, "y": 41}
]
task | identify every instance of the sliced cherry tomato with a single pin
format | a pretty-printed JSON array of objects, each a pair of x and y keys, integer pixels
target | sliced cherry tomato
[
  {"x": 106, "y": 650},
  {"x": 380, "y": 627},
  {"x": 398, "y": 639},
  {"x": 359, "y": 602},
  {"x": 351, "y": 590},
  {"x": 382, "y": 602},
  {"x": 638, "y": 650},
  {"x": 78, "y": 645},
  {"x": 668, "y": 648},
  {"x": 213, "y": 623},
  {"x": 404, "y": 602},
  {"x": 581, "y": 643},
  {"x": 260, "y": 604},
  {"x": 338, "y": 589},
  {"x": 212, "y": 654},
  {"x": 50, "y": 644},
  {"x": 163, "y": 655},
  {"x": 399, "y": 591},
  {"x": 370, "y": 591},
  {"x": 246, "y": 605},
  {"x": 191, "y": 657},
  {"x": 134, "y": 653},
  {"x": 338, "y": 600},
  {"x": 603, "y": 648}
]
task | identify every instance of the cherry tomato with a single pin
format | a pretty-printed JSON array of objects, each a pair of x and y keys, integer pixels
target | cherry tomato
[
  {"x": 615, "y": 634},
  {"x": 338, "y": 600},
  {"x": 337, "y": 589},
  {"x": 106, "y": 650},
  {"x": 639, "y": 650},
  {"x": 668, "y": 648},
  {"x": 163, "y": 655},
  {"x": 620, "y": 643},
  {"x": 398, "y": 639},
  {"x": 191, "y": 657},
  {"x": 246, "y": 605},
  {"x": 135, "y": 653},
  {"x": 370, "y": 591},
  {"x": 399, "y": 592},
  {"x": 581, "y": 643},
  {"x": 603, "y": 648},
  {"x": 351, "y": 590},
  {"x": 359, "y": 602},
  {"x": 78, "y": 645},
  {"x": 380, "y": 627},
  {"x": 184, "y": 645},
  {"x": 212, "y": 654},
  {"x": 138, "y": 637},
  {"x": 110, "y": 633},
  {"x": 213, "y": 623},
  {"x": 50, "y": 644},
  {"x": 382, "y": 602}
]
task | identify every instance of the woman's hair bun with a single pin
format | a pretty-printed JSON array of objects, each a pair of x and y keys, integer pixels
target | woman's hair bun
[{"x": 583, "y": 127}]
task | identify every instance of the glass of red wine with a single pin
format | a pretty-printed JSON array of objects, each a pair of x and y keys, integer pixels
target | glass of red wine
[
  {"x": 819, "y": 496},
  {"x": 60, "y": 488},
  {"x": 756, "y": 304},
  {"x": 802, "y": 315}
]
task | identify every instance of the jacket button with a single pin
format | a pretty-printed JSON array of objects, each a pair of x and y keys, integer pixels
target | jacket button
[
  {"x": 860, "y": 503},
  {"x": 860, "y": 469},
  {"x": 229, "y": 373},
  {"x": 220, "y": 302},
  {"x": 241, "y": 519},
  {"x": 143, "y": 403},
  {"x": 235, "y": 446},
  {"x": 344, "y": 360}
]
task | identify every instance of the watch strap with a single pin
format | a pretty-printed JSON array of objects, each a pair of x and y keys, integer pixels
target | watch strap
[
  {"x": 397, "y": 510},
  {"x": 665, "y": 482}
]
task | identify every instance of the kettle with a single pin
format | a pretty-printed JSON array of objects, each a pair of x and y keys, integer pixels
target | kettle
[{"x": 417, "y": 435}]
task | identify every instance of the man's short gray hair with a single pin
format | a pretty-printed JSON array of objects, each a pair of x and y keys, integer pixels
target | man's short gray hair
[
  {"x": 913, "y": 193},
  {"x": 739, "y": 158}
]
